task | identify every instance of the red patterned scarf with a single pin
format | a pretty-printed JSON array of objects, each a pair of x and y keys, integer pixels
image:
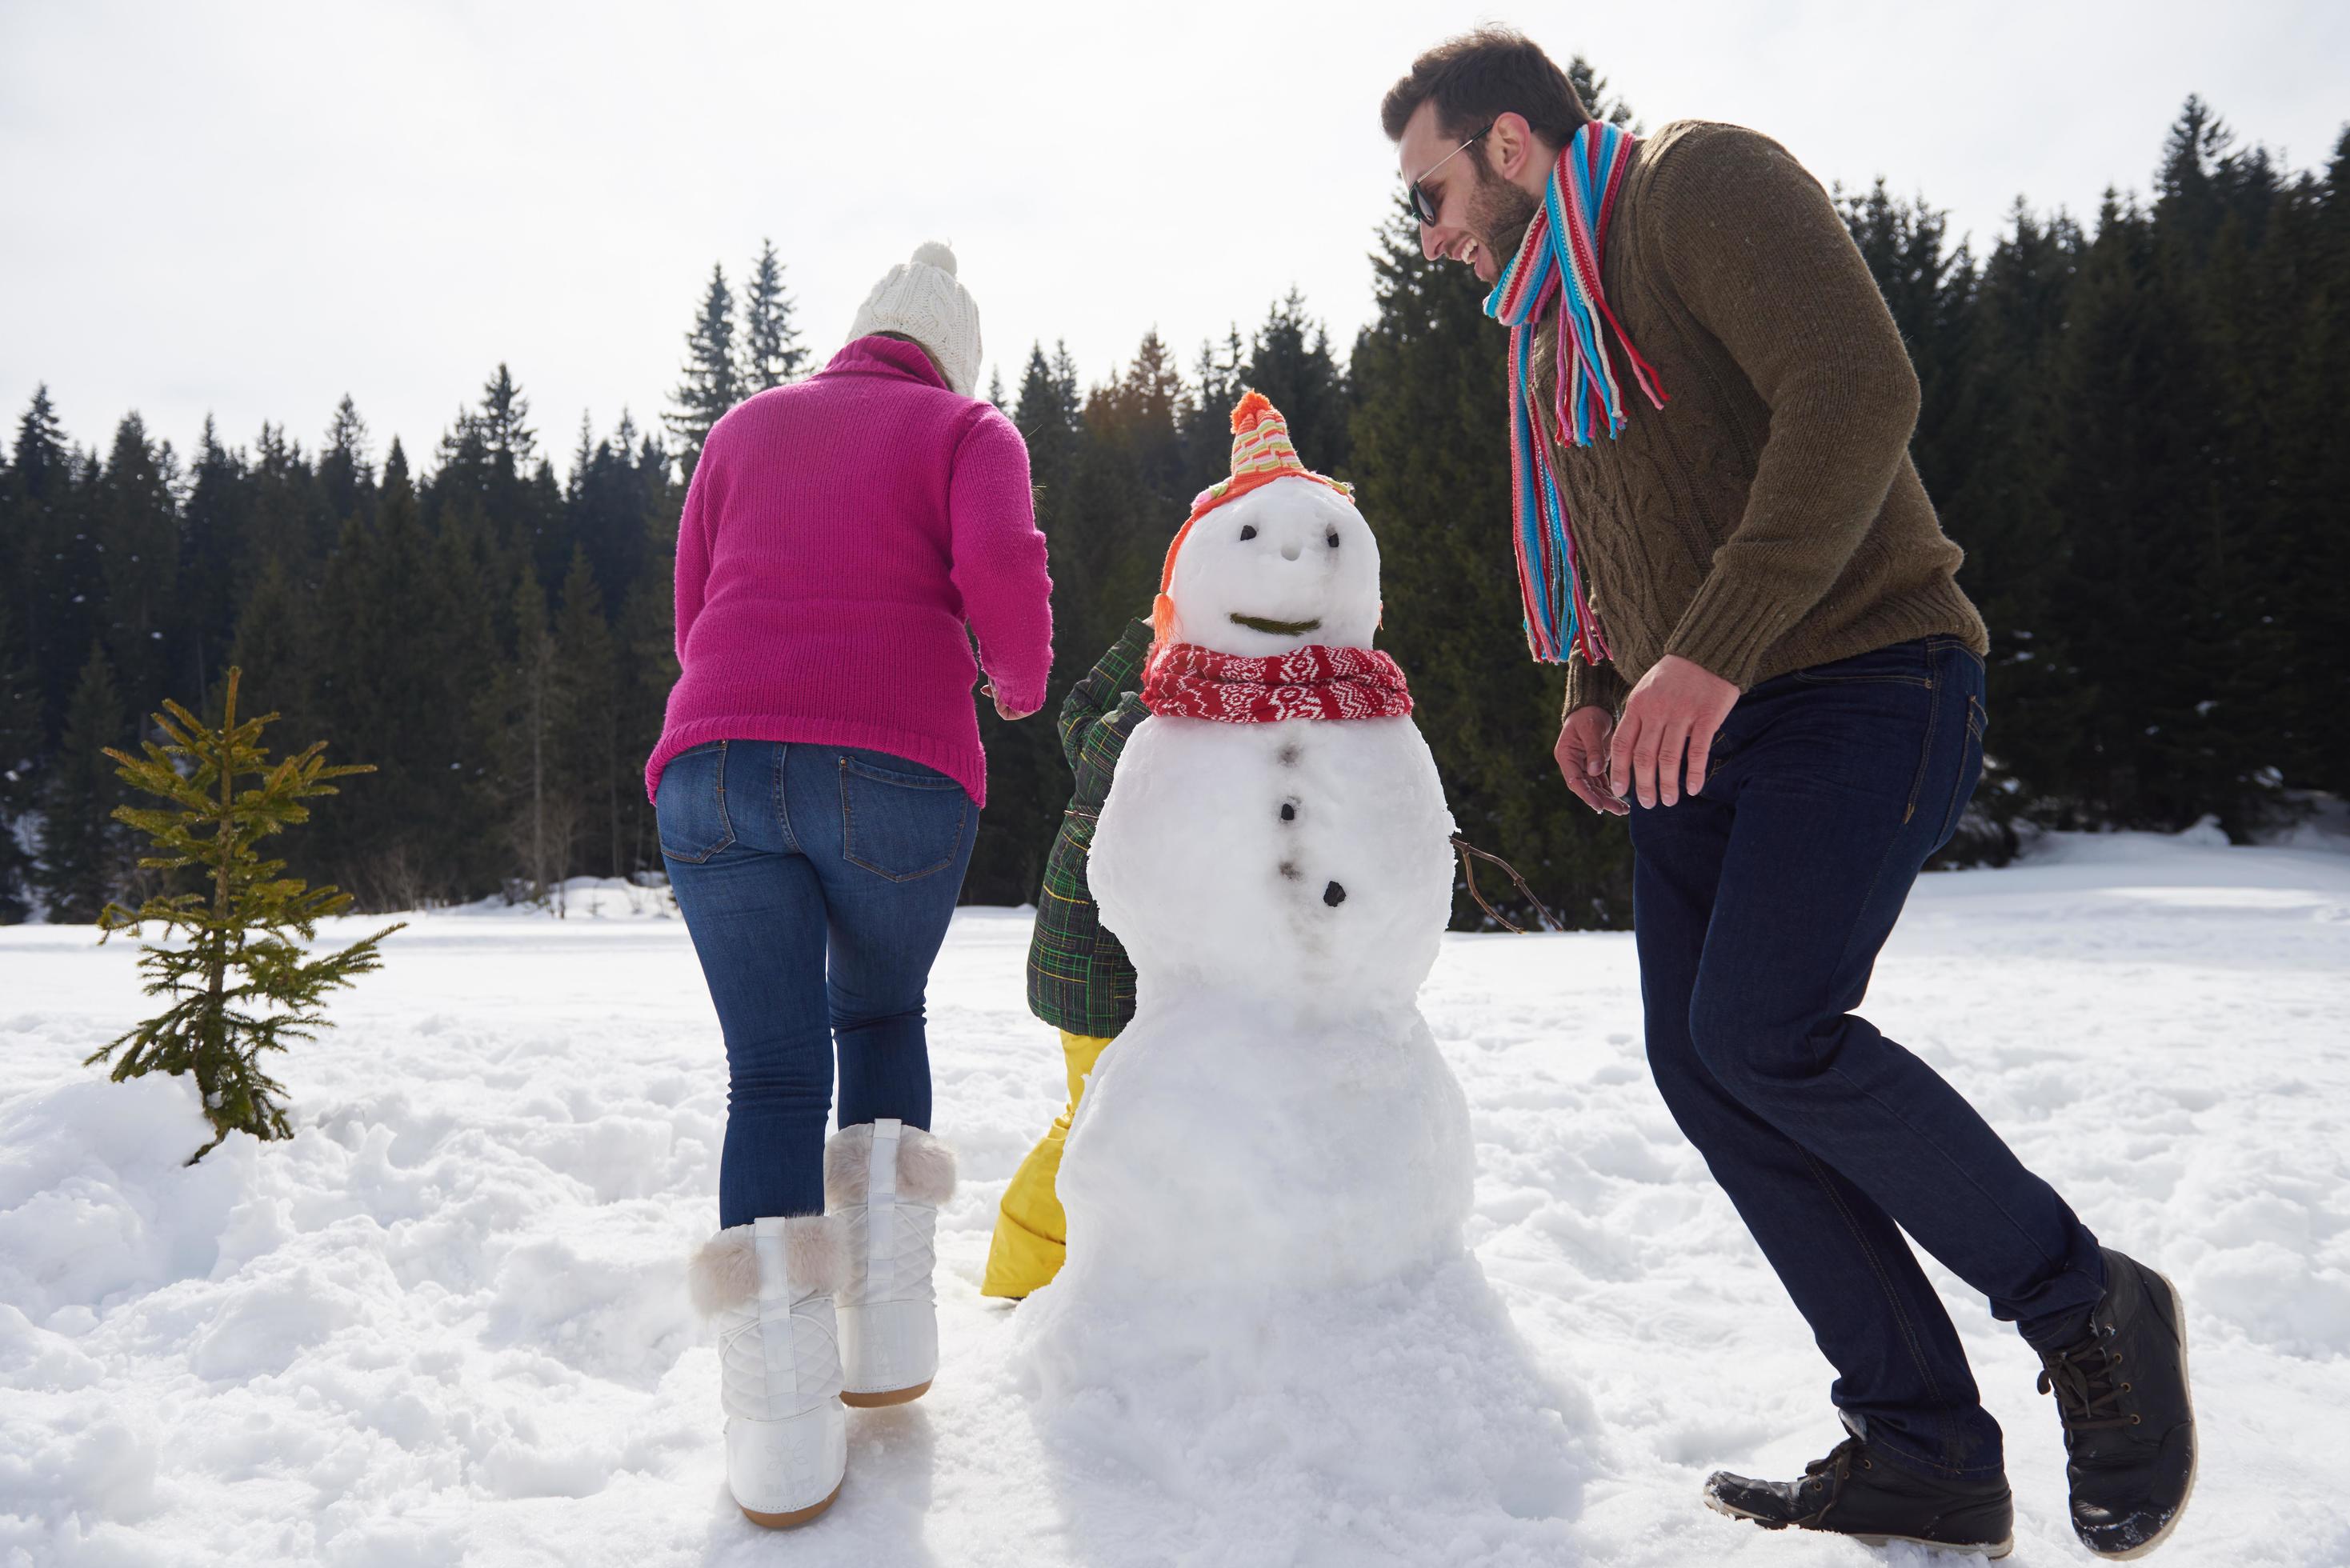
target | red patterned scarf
[{"x": 1187, "y": 681}]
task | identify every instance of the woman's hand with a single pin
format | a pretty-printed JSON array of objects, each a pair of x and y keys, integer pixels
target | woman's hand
[{"x": 1000, "y": 711}]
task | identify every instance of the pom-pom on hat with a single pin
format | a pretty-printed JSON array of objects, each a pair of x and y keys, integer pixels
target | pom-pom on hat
[
  {"x": 922, "y": 299},
  {"x": 1262, "y": 452}
]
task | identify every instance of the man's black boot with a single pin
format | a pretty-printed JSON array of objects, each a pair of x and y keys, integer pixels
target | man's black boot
[
  {"x": 1854, "y": 1492},
  {"x": 2129, "y": 1426}
]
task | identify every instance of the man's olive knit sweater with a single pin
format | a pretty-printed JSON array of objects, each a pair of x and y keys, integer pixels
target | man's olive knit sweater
[{"x": 1768, "y": 516}]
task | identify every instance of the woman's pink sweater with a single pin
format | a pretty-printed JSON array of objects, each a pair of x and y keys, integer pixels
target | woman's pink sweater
[{"x": 838, "y": 535}]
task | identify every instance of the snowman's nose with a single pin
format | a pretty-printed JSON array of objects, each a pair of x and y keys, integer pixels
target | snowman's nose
[{"x": 1289, "y": 551}]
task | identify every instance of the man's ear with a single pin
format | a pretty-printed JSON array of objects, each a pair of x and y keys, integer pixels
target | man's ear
[{"x": 1509, "y": 145}]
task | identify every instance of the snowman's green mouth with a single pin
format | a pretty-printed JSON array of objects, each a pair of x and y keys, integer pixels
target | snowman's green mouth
[{"x": 1277, "y": 628}]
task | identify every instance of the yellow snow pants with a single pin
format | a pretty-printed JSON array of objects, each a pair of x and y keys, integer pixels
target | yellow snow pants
[{"x": 1031, "y": 1232}]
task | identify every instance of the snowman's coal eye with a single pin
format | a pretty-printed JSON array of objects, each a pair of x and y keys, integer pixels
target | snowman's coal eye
[
  {"x": 1332, "y": 537},
  {"x": 1248, "y": 530}
]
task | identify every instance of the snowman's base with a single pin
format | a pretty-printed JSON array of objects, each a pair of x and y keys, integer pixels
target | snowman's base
[{"x": 1398, "y": 1421}]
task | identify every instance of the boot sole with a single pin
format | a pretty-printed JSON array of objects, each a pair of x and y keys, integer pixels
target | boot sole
[
  {"x": 797, "y": 1516},
  {"x": 1992, "y": 1550},
  {"x": 2195, "y": 1450},
  {"x": 887, "y": 1397}
]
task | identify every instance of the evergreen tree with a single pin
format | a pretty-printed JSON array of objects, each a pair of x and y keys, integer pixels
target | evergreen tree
[
  {"x": 772, "y": 351},
  {"x": 277, "y": 642},
  {"x": 138, "y": 529},
  {"x": 83, "y": 862},
  {"x": 2132, "y": 484},
  {"x": 527, "y": 713},
  {"x": 241, "y": 982},
  {"x": 1928, "y": 287},
  {"x": 345, "y": 472},
  {"x": 2309, "y": 555},
  {"x": 607, "y": 506},
  {"x": 20, "y": 745},
  {"x": 503, "y": 422},
  {"x": 1999, "y": 504},
  {"x": 647, "y": 638},
  {"x": 590, "y": 766},
  {"x": 711, "y": 386},
  {"x": 1207, "y": 432},
  {"x": 292, "y": 523},
  {"x": 1591, "y": 88},
  {"x": 52, "y": 557},
  {"x": 1290, "y": 362},
  {"x": 217, "y": 520}
]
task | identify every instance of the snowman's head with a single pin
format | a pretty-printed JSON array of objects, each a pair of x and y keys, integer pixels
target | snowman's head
[{"x": 1290, "y": 563}]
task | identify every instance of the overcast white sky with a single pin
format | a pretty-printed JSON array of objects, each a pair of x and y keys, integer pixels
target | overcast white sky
[{"x": 251, "y": 209}]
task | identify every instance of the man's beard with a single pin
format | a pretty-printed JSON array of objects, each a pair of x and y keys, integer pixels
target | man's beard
[{"x": 1498, "y": 214}]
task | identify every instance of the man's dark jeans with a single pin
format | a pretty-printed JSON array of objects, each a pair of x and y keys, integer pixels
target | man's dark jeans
[
  {"x": 1760, "y": 905},
  {"x": 817, "y": 882}
]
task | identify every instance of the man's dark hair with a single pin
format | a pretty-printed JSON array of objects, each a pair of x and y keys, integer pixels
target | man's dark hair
[{"x": 1477, "y": 75}]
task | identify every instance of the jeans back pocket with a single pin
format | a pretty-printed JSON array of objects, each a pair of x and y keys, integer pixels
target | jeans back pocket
[
  {"x": 689, "y": 806},
  {"x": 899, "y": 824}
]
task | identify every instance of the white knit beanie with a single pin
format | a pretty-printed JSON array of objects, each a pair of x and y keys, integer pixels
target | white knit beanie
[{"x": 922, "y": 299}]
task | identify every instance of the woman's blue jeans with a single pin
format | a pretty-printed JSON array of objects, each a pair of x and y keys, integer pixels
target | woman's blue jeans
[
  {"x": 817, "y": 882},
  {"x": 1759, "y": 906}
]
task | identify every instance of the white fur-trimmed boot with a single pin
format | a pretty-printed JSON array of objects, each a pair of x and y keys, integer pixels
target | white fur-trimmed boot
[
  {"x": 884, "y": 1182},
  {"x": 767, "y": 1288}
]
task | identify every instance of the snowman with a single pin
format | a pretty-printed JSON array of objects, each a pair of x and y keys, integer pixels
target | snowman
[
  {"x": 1268, "y": 1317},
  {"x": 1275, "y": 854}
]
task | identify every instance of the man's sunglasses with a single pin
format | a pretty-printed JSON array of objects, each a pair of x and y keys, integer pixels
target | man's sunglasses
[{"x": 1423, "y": 205}]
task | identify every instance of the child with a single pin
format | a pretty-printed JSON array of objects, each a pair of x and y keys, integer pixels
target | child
[{"x": 1079, "y": 979}]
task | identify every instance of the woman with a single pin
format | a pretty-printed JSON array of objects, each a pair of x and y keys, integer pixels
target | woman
[{"x": 818, "y": 785}]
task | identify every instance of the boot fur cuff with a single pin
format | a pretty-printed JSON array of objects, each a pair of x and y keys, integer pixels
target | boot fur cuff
[
  {"x": 724, "y": 1270},
  {"x": 926, "y": 1166}
]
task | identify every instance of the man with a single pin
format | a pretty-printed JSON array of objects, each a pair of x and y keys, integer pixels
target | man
[{"x": 1772, "y": 670}]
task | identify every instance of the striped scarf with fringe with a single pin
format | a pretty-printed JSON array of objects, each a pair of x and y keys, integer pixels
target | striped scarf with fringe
[{"x": 1559, "y": 259}]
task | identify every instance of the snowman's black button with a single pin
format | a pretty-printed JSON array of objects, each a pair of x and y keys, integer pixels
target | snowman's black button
[
  {"x": 1289, "y": 811},
  {"x": 1333, "y": 894}
]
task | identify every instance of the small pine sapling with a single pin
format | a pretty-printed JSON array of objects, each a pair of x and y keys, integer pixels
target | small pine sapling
[{"x": 242, "y": 981}]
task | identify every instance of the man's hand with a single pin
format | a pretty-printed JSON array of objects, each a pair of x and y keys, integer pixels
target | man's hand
[
  {"x": 1676, "y": 705},
  {"x": 1000, "y": 711},
  {"x": 1582, "y": 754}
]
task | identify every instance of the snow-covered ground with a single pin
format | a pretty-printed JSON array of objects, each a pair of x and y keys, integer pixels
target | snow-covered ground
[{"x": 445, "y": 1323}]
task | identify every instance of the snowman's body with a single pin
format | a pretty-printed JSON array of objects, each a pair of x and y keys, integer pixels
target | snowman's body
[
  {"x": 1276, "y": 1115},
  {"x": 1267, "y": 1307}
]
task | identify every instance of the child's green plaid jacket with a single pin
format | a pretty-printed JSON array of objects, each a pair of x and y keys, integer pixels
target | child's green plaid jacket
[{"x": 1079, "y": 978}]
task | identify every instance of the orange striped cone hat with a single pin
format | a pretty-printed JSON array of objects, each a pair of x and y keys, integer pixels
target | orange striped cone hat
[{"x": 1262, "y": 452}]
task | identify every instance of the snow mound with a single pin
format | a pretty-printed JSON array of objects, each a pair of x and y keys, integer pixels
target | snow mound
[
  {"x": 96, "y": 1201},
  {"x": 1300, "y": 1422}
]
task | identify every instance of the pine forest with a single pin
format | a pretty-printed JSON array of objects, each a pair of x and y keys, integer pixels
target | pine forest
[{"x": 2131, "y": 423}]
